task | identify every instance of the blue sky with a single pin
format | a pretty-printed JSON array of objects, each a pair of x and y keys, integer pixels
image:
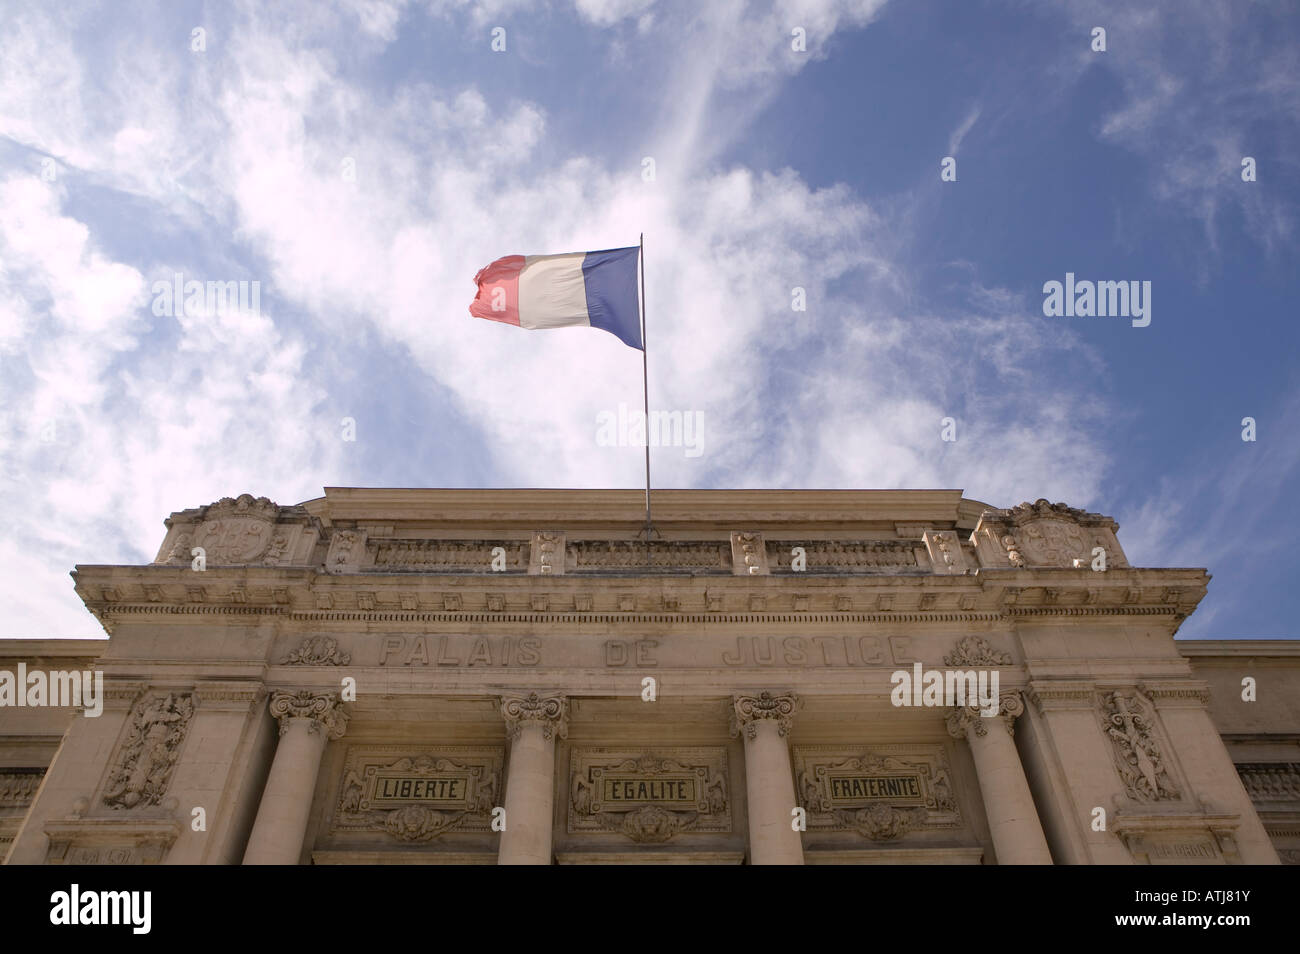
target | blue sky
[{"x": 127, "y": 156}]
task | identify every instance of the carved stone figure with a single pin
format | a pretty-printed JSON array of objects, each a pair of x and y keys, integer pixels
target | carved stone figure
[
  {"x": 418, "y": 823},
  {"x": 881, "y": 822},
  {"x": 353, "y": 789},
  {"x": 655, "y": 825},
  {"x": 180, "y": 551},
  {"x": 279, "y": 543}
]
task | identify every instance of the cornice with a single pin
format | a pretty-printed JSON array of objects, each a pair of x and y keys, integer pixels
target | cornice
[
  {"x": 589, "y": 509},
  {"x": 1237, "y": 648},
  {"x": 113, "y": 593}
]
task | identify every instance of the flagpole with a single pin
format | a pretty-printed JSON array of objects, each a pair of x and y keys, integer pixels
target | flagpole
[{"x": 645, "y": 394}]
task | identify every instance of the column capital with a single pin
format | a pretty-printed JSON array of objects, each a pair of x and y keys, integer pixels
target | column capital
[
  {"x": 964, "y": 719},
  {"x": 323, "y": 709},
  {"x": 749, "y": 710},
  {"x": 550, "y": 710}
]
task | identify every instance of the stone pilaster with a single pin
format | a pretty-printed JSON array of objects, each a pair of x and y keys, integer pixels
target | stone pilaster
[
  {"x": 307, "y": 720},
  {"x": 1013, "y": 821},
  {"x": 765, "y": 720},
  {"x": 533, "y": 720}
]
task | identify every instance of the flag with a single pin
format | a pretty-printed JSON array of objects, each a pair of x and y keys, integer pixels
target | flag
[{"x": 579, "y": 289}]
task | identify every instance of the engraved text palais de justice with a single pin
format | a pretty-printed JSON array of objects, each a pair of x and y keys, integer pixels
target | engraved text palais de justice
[{"x": 790, "y": 651}]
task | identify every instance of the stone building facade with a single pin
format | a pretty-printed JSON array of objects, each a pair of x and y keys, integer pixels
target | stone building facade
[{"x": 485, "y": 676}]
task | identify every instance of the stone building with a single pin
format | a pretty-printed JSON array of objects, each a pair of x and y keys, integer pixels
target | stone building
[{"x": 519, "y": 676}]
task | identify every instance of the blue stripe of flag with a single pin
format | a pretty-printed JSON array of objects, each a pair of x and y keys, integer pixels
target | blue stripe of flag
[{"x": 610, "y": 277}]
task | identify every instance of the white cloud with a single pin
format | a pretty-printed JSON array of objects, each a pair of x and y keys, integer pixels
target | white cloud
[{"x": 165, "y": 414}]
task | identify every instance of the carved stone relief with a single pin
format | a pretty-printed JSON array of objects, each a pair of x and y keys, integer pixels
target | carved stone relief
[
  {"x": 448, "y": 556},
  {"x": 346, "y": 552},
  {"x": 146, "y": 756},
  {"x": 976, "y": 651},
  {"x": 1128, "y": 720},
  {"x": 1270, "y": 781},
  {"x": 597, "y": 555},
  {"x": 649, "y": 796},
  {"x": 946, "y": 554},
  {"x": 417, "y": 798},
  {"x": 317, "y": 651},
  {"x": 1045, "y": 534},
  {"x": 881, "y": 793},
  {"x": 846, "y": 556},
  {"x": 547, "y": 557},
  {"x": 748, "y": 555}
]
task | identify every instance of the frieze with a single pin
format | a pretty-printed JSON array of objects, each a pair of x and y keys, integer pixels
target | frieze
[
  {"x": 447, "y": 556},
  {"x": 1047, "y": 695},
  {"x": 848, "y": 556},
  {"x": 417, "y": 797},
  {"x": 227, "y": 694},
  {"x": 1270, "y": 781},
  {"x": 649, "y": 796},
  {"x": 589, "y": 555},
  {"x": 18, "y": 786}
]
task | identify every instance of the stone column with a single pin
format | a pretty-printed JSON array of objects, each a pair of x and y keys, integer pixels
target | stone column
[
  {"x": 307, "y": 720},
  {"x": 769, "y": 778},
  {"x": 533, "y": 720},
  {"x": 1013, "y": 821}
]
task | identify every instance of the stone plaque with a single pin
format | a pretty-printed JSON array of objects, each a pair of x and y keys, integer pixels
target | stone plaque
[
  {"x": 853, "y": 790},
  {"x": 881, "y": 793},
  {"x": 623, "y": 787},
  {"x": 649, "y": 795},
  {"x": 417, "y": 796},
  {"x": 1183, "y": 851},
  {"x": 444, "y": 788}
]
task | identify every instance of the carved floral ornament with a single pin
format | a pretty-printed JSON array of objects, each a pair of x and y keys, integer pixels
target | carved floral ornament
[
  {"x": 549, "y": 710},
  {"x": 323, "y": 709},
  {"x": 976, "y": 651},
  {"x": 317, "y": 651},
  {"x": 749, "y": 710}
]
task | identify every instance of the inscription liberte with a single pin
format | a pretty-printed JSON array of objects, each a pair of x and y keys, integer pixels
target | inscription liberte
[
  {"x": 389, "y": 787},
  {"x": 789, "y": 651}
]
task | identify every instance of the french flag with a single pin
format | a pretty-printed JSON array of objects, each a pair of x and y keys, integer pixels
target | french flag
[{"x": 582, "y": 289}]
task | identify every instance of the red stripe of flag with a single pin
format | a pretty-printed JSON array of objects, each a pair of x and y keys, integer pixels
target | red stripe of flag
[{"x": 498, "y": 285}]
